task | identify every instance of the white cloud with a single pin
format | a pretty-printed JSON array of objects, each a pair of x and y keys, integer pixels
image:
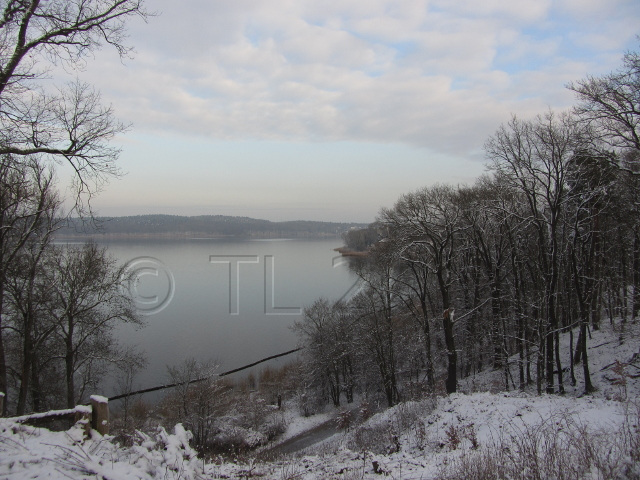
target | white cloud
[
  {"x": 521, "y": 11},
  {"x": 434, "y": 74},
  {"x": 339, "y": 106},
  {"x": 588, "y": 9}
]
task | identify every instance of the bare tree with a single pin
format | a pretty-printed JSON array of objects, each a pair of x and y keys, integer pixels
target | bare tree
[
  {"x": 587, "y": 181},
  {"x": 489, "y": 216},
  {"x": 327, "y": 333},
  {"x": 377, "y": 310},
  {"x": 548, "y": 242},
  {"x": 428, "y": 223},
  {"x": 43, "y": 125},
  {"x": 129, "y": 363},
  {"x": 27, "y": 209},
  {"x": 417, "y": 280},
  {"x": 28, "y": 295},
  {"x": 67, "y": 124},
  {"x": 533, "y": 156},
  {"x": 196, "y": 404},
  {"x": 89, "y": 301},
  {"x": 610, "y": 104}
]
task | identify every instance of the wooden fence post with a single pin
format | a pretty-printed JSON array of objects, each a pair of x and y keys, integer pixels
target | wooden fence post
[{"x": 100, "y": 414}]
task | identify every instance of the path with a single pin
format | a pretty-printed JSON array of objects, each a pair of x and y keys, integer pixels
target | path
[{"x": 305, "y": 439}]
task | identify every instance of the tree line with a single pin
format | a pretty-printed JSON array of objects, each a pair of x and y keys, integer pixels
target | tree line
[
  {"x": 460, "y": 279},
  {"x": 217, "y": 225}
]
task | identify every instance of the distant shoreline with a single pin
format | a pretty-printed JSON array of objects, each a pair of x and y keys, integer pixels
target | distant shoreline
[
  {"x": 192, "y": 236},
  {"x": 214, "y": 227}
]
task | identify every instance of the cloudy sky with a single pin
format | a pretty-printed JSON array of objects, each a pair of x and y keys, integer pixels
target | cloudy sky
[{"x": 329, "y": 110}]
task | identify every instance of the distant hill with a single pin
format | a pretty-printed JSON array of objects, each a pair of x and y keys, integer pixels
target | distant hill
[{"x": 214, "y": 226}]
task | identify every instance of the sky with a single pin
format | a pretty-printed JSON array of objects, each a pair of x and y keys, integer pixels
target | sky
[{"x": 330, "y": 110}]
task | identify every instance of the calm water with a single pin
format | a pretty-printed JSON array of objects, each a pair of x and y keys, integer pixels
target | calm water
[{"x": 222, "y": 300}]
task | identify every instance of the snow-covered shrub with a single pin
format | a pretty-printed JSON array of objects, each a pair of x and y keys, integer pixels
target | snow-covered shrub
[
  {"x": 457, "y": 434},
  {"x": 620, "y": 379},
  {"x": 344, "y": 418},
  {"x": 454, "y": 437},
  {"x": 310, "y": 404},
  {"x": 30, "y": 452},
  {"x": 406, "y": 414},
  {"x": 170, "y": 455},
  {"x": 235, "y": 439},
  {"x": 364, "y": 410},
  {"x": 420, "y": 435},
  {"x": 290, "y": 471},
  {"x": 381, "y": 433},
  {"x": 378, "y": 438},
  {"x": 196, "y": 405},
  {"x": 223, "y": 420},
  {"x": 251, "y": 411},
  {"x": 139, "y": 418},
  {"x": 247, "y": 423},
  {"x": 274, "y": 426}
]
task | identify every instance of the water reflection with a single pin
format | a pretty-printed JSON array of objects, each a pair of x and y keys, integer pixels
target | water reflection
[{"x": 230, "y": 301}]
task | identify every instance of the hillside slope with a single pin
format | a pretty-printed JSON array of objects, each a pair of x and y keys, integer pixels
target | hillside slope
[{"x": 475, "y": 435}]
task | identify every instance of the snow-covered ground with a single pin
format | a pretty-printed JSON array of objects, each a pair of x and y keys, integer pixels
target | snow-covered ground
[
  {"x": 605, "y": 347},
  {"x": 28, "y": 452},
  {"x": 414, "y": 440}
]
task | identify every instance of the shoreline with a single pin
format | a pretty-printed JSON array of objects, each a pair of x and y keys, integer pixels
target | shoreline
[
  {"x": 345, "y": 252},
  {"x": 191, "y": 236}
]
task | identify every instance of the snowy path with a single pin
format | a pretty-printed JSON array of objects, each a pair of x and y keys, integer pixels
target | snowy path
[{"x": 304, "y": 439}]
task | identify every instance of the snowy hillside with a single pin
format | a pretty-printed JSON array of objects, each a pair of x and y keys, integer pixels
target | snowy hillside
[{"x": 474, "y": 435}]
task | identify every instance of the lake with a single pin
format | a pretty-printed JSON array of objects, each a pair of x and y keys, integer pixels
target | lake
[{"x": 231, "y": 301}]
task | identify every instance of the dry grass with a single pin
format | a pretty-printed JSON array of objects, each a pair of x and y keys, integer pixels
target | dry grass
[{"x": 560, "y": 447}]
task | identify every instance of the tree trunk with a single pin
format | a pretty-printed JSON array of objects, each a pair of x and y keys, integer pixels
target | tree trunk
[
  {"x": 588, "y": 386},
  {"x": 581, "y": 294},
  {"x": 559, "y": 362},
  {"x": 578, "y": 353},
  {"x": 636, "y": 274},
  {"x": 624, "y": 276},
  {"x": 452, "y": 357},
  {"x": 348, "y": 379},
  {"x": 571, "y": 354},
  {"x": 36, "y": 397},
  {"x": 68, "y": 363},
  {"x": 549, "y": 364},
  {"x": 426, "y": 331},
  {"x": 3, "y": 362},
  {"x": 496, "y": 339},
  {"x": 25, "y": 372},
  {"x": 27, "y": 347}
]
